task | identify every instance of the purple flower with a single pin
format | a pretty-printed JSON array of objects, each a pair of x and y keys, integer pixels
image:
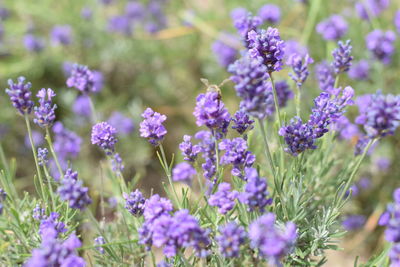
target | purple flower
[
  {"x": 245, "y": 22},
  {"x": 250, "y": 78},
  {"x": 283, "y": 92},
  {"x": 242, "y": 122},
  {"x": 38, "y": 139},
  {"x": 210, "y": 111},
  {"x": 373, "y": 8},
  {"x": 294, "y": 47},
  {"x": 362, "y": 143},
  {"x": 86, "y": 13},
  {"x": 72, "y": 190},
  {"x": 67, "y": 144},
  {"x": 381, "y": 45},
  {"x": 238, "y": 13},
  {"x": 397, "y": 21},
  {"x": 117, "y": 163},
  {"x": 208, "y": 150},
  {"x": 353, "y": 222},
  {"x": 99, "y": 241},
  {"x": 270, "y": 14},
  {"x": 230, "y": 239},
  {"x": 44, "y": 114},
  {"x": 225, "y": 53},
  {"x": 380, "y": 114},
  {"x": 120, "y": 24},
  {"x": 298, "y": 136},
  {"x": 155, "y": 207},
  {"x": 236, "y": 153},
  {"x": 189, "y": 151},
  {"x": 82, "y": 79},
  {"x": 123, "y": 124},
  {"x": 3, "y": 195},
  {"x": 360, "y": 70},
  {"x": 61, "y": 35},
  {"x": 224, "y": 198},
  {"x": 42, "y": 156},
  {"x": 255, "y": 195},
  {"x": 268, "y": 46},
  {"x": 272, "y": 242},
  {"x": 383, "y": 163},
  {"x": 346, "y": 129},
  {"x": 342, "y": 57},
  {"x": 38, "y": 213},
  {"x": 135, "y": 202},
  {"x": 151, "y": 127},
  {"x": 81, "y": 106},
  {"x": 183, "y": 172},
  {"x": 52, "y": 223},
  {"x": 332, "y": 28},
  {"x": 299, "y": 67},
  {"x": 134, "y": 10},
  {"x": 325, "y": 76},
  {"x": 33, "y": 43},
  {"x": 103, "y": 135},
  {"x": 20, "y": 95}
]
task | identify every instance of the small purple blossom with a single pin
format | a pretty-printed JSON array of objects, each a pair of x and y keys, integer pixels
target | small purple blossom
[
  {"x": 104, "y": 136},
  {"x": 325, "y": 76},
  {"x": 294, "y": 47},
  {"x": 299, "y": 67},
  {"x": 61, "y": 35},
  {"x": 38, "y": 213},
  {"x": 189, "y": 151},
  {"x": 123, "y": 124},
  {"x": 73, "y": 191},
  {"x": 82, "y": 79},
  {"x": 117, "y": 164},
  {"x": 42, "y": 155},
  {"x": 270, "y": 14},
  {"x": 397, "y": 21},
  {"x": 255, "y": 195},
  {"x": 353, "y": 222},
  {"x": 225, "y": 53},
  {"x": 224, "y": 198},
  {"x": 20, "y": 95},
  {"x": 33, "y": 43},
  {"x": 347, "y": 130},
  {"x": 333, "y": 28},
  {"x": 342, "y": 57},
  {"x": 381, "y": 45},
  {"x": 135, "y": 202},
  {"x": 67, "y": 144},
  {"x": 156, "y": 206},
  {"x": 208, "y": 150},
  {"x": 45, "y": 112},
  {"x": 51, "y": 222},
  {"x": 242, "y": 122},
  {"x": 268, "y": 47},
  {"x": 230, "y": 239},
  {"x": 86, "y": 13},
  {"x": 183, "y": 172},
  {"x": 152, "y": 127},
  {"x": 134, "y": 10},
  {"x": 283, "y": 92},
  {"x": 245, "y": 22},
  {"x": 360, "y": 71},
  {"x": 120, "y": 24},
  {"x": 371, "y": 8},
  {"x": 99, "y": 241},
  {"x": 81, "y": 106}
]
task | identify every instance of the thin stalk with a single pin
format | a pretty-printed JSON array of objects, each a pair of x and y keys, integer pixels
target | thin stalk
[
  {"x": 50, "y": 187},
  {"x": 53, "y": 153},
  {"x": 267, "y": 151},
  {"x": 298, "y": 98},
  {"x": 39, "y": 173},
  {"x": 168, "y": 172},
  {"x": 311, "y": 20},
  {"x": 4, "y": 161},
  {"x": 336, "y": 81},
  {"x": 278, "y": 113}
]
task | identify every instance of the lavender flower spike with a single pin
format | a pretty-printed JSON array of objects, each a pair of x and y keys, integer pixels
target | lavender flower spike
[
  {"x": 82, "y": 79},
  {"x": 20, "y": 95},
  {"x": 224, "y": 198},
  {"x": 44, "y": 114},
  {"x": 268, "y": 46},
  {"x": 255, "y": 195},
  {"x": 183, "y": 172},
  {"x": 135, "y": 202},
  {"x": 103, "y": 135},
  {"x": 231, "y": 238},
  {"x": 152, "y": 127},
  {"x": 189, "y": 151},
  {"x": 298, "y": 136},
  {"x": 72, "y": 190},
  {"x": 299, "y": 67},
  {"x": 333, "y": 28},
  {"x": 381, "y": 45},
  {"x": 342, "y": 57}
]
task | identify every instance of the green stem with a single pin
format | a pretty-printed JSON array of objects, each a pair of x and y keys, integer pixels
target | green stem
[
  {"x": 336, "y": 81},
  {"x": 168, "y": 172},
  {"x": 39, "y": 173},
  {"x": 50, "y": 187},
  {"x": 93, "y": 110},
  {"x": 298, "y": 98},
  {"x": 311, "y": 20},
  {"x": 4, "y": 161},
  {"x": 53, "y": 153},
  {"x": 267, "y": 151},
  {"x": 278, "y": 113}
]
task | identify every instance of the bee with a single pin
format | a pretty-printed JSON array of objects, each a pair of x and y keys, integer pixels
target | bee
[{"x": 214, "y": 88}]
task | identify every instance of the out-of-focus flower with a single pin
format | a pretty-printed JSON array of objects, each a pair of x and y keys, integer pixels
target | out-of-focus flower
[
  {"x": 360, "y": 70},
  {"x": 342, "y": 57},
  {"x": 104, "y": 136},
  {"x": 294, "y": 47},
  {"x": 134, "y": 10},
  {"x": 123, "y": 124},
  {"x": 100, "y": 241},
  {"x": 255, "y": 194},
  {"x": 120, "y": 24},
  {"x": 183, "y": 172},
  {"x": 86, "y": 13},
  {"x": 73, "y": 191},
  {"x": 245, "y": 22},
  {"x": 230, "y": 239},
  {"x": 270, "y": 13},
  {"x": 225, "y": 53},
  {"x": 61, "y": 35},
  {"x": 325, "y": 76},
  {"x": 81, "y": 106},
  {"x": 353, "y": 222},
  {"x": 371, "y": 8},
  {"x": 82, "y": 79},
  {"x": 38, "y": 139},
  {"x": 42, "y": 155},
  {"x": 33, "y": 43},
  {"x": 299, "y": 67},
  {"x": 397, "y": 21},
  {"x": 224, "y": 198},
  {"x": 381, "y": 45},
  {"x": 333, "y": 28}
]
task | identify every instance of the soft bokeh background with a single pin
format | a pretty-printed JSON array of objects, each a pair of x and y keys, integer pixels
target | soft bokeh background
[{"x": 162, "y": 70}]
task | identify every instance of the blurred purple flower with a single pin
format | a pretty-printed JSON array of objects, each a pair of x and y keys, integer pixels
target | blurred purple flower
[
  {"x": 122, "y": 123},
  {"x": 152, "y": 127},
  {"x": 360, "y": 70},
  {"x": 230, "y": 239},
  {"x": 381, "y": 45},
  {"x": 120, "y": 24},
  {"x": 61, "y": 35},
  {"x": 183, "y": 172},
  {"x": 353, "y": 222},
  {"x": 225, "y": 53},
  {"x": 38, "y": 139},
  {"x": 33, "y": 43},
  {"x": 270, "y": 13},
  {"x": 332, "y": 28},
  {"x": 81, "y": 106},
  {"x": 373, "y": 8},
  {"x": 224, "y": 198}
]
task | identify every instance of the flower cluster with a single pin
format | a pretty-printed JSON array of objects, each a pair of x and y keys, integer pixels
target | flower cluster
[
  {"x": 42, "y": 156},
  {"x": 381, "y": 45},
  {"x": 82, "y": 79},
  {"x": 44, "y": 114},
  {"x": 255, "y": 194},
  {"x": 371, "y": 8},
  {"x": 270, "y": 14},
  {"x": 152, "y": 127},
  {"x": 230, "y": 239},
  {"x": 333, "y": 28},
  {"x": 342, "y": 57},
  {"x": 135, "y": 202},
  {"x": 72, "y": 190},
  {"x": 100, "y": 241},
  {"x": 183, "y": 172},
  {"x": 20, "y": 95},
  {"x": 268, "y": 47},
  {"x": 300, "y": 68},
  {"x": 325, "y": 76},
  {"x": 246, "y": 22},
  {"x": 283, "y": 92},
  {"x": 208, "y": 151},
  {"x": 104, "y": 136},
  {"x": 123, "y": 124},
  {"x": 360, "y": 70},
  {"x": 224, "y": 198},
  {"x": 224, "y": 51},
  {"x": 271, "y": 241},
  {"x": 67, "y": 144},
  {"x": 61, "y": 35},
  {"x": 242, "y": 122},
  {"x": 189, "y": 151}
]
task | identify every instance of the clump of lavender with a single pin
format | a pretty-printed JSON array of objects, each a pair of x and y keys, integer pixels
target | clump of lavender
[
  {"x": 360, "y": 70},
  {"x": 208, "y": 150},
  {"x": 255, "y": 195},
  {"x": 73, "y": 191},
  {"x": 283, "y": 92},
  {"x": 45, "y": 112},
  {"x": 242, "y": 122},
  {"x": 82, "y": 79},
  {"x": 42, "y": 155},
  {"x": 33, "y": 43},
  {"x": 120, "y": 24},
  {"x": 123, "y": 124},
  {"x": 61, "y": 35},
  {"x": 152, "y": 127},
  {"x": 135, "y": 202},
  {"x": 368, "y": 9},
  {"x": 391, "y": 219},
  {"x": 237, "y": 155},
  {"x": 342, "y": 57},
  {"x": 380, "y": 114},
  {"x": 272, "y": 242},
  {"x": 270, "y": 13},
  {"x": 67, "y": 144},
  {"x": 100, "y": 241},
  {"x": 333, "y": 28},
  {"x": 183, "y": 172},
  {"x": 224, "y": 198},
  {"x": 397, "y": 21},
  {"x": 117, "y": 164},
  {"x": 268, "y": 47},
  {"x": 347, "y": 129},
  {"x": 81, "y": 106},
  {"x": 104, "y": 136},
  {"x": 210, "y": 111},
  {"x": 381, "y": 45},
  {"x": 353, "y": 222},
  {"x": 52, "y": 222},
  {"x": 189, "y": 151},
  {"x": 20, "y": 95},
  {"x": 298, "y": 136},
  {"x": 299, "y": 67},
  {"x": 294, "y": 47},
  {"x": 249, "y": 76},
  {"x": 226, "y": 54},
  {"x": 245, "y": 22},
  {"x": 325, "y": 76},
  {"x": 38, "y": 213},
  {"x": 230, "y": 239}
]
